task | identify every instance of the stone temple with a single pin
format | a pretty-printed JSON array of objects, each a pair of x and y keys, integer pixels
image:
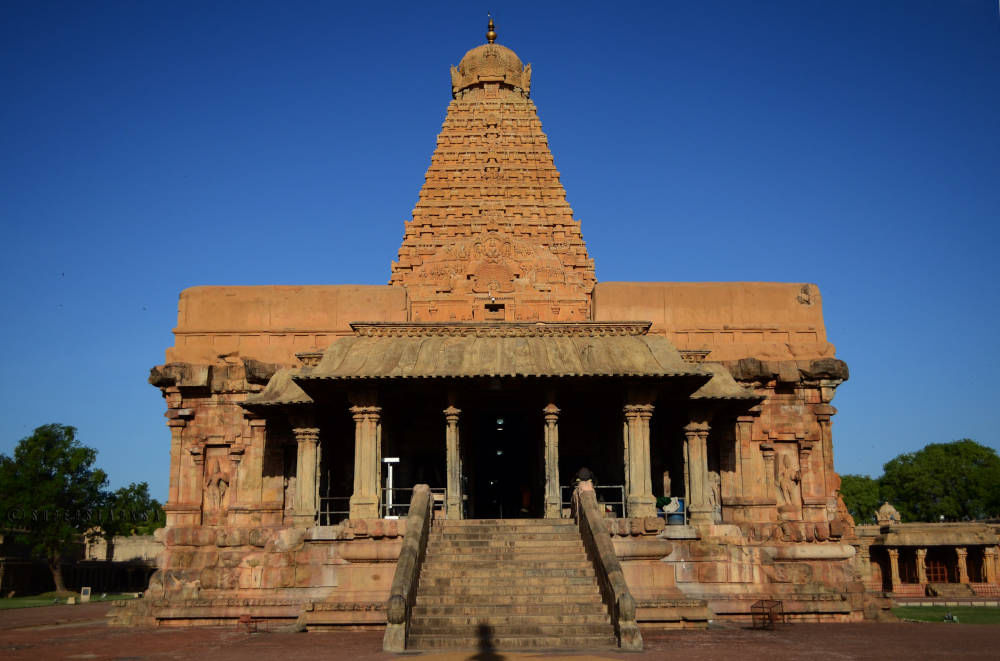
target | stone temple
[{"x": 493, "y": 367}]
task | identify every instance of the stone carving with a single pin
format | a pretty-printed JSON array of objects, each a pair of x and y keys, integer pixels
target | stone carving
[
  {"x": 216, "y": 484},
  {"x": 788, "y": 479},
  {"x": 545, "y": 329},
  {"x": 715, "y": 494},
  {"x": 887, "y": 515}
]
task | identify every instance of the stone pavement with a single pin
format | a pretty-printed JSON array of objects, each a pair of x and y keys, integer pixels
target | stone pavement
[{"x": 64, "y": 632}]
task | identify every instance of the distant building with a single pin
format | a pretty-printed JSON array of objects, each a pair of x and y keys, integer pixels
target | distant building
[{"x": 954, "y": 560}]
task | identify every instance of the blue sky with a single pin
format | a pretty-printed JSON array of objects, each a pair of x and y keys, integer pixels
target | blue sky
[{"x": 149, "y": 147}]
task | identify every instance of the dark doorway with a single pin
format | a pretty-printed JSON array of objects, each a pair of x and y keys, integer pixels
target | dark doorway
[{"x": 503, "y": 464}]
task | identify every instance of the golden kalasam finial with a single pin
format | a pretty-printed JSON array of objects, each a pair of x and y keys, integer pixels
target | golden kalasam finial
[{"x": 491, "y": 34}]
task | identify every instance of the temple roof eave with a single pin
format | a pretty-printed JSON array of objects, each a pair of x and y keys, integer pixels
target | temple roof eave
[
  {"x": 500, "y": 350},
  {"x": 281, "y": 390}
]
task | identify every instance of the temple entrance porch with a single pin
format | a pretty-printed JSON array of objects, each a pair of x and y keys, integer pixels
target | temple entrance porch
[{"x": 493, "y": 447}]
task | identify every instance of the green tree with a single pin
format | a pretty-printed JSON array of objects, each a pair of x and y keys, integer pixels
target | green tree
[
  {"x": 50, "y": 492},
  {"x": 131, "y": 511},
  {"x": 861, "y": 496},
  {"x": 959, "y": 480}
]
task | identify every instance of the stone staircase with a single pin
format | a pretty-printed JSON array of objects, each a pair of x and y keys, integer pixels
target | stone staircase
[
  {"x": 950, "y": 590},
  {"x": 508, "y": 584}
]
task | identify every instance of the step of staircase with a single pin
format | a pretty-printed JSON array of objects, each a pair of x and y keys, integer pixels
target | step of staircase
[
  {"x": 510, "y": 584},
  {"x": 509, "y": 643}
]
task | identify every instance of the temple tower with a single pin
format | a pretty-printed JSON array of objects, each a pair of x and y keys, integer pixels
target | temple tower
[{"x": 492, "y": 237}]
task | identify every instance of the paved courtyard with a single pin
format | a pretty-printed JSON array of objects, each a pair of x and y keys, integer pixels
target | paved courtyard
[{"x": 79, "y": 632}]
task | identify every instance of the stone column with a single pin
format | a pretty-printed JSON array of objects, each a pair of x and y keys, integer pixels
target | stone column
[
  {"x": 963, "y": 568},
  {"x": 553, "y": 498},
  {"x": 894, "y": 568},
  {"x": 640, "y": 500},
  {"x": 367, "y": 495},
  {"x": 306, "y": 469},
  {"x": 922, "y": 566},
  {"x": 453, "y": 460},
  {"x": 805, "y": 474},
  {"x": 253, "y": 468},
  {"x": 696, "y": 457},
  {"x": 746, "y": 485},
  {"x": 989, "y": 564},
  {"x": 767, "y": 451},
  {"x": 176, "y": 443}
]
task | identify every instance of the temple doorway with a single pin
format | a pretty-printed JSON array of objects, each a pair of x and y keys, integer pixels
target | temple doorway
[{"x": 503, "y": 468}]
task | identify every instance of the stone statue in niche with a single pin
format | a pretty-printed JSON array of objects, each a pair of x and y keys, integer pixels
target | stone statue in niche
[
  {"x": 216, "y": 485},
  {"x": 715, "y": 494},
  {"x": 788, "y": 478},
  {"x": 290, "y": 493}
]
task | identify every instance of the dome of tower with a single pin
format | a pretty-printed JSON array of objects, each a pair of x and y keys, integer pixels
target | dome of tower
[{"x": 490, "y": 62}]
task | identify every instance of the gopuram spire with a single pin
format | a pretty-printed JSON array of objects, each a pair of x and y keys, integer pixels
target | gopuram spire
[{"x": 492, "y": 237}]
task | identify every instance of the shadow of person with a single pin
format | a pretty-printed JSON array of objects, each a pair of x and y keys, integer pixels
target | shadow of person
[{"x": 486, "y": 650}]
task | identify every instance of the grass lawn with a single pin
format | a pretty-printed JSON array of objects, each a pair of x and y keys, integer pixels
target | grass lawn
[
  {"x": 965, "y": 614},
  {"x": 54, "y": 599}
]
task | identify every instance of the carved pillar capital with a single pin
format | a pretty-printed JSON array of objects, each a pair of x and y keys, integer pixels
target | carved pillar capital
[
  {"x": 366, "y": 413},
  {"x": 551, "y": 413},
  {"x": 637, "y": 411},
  {"x": 451, "y": 415},
  {"x": 306, "y": 434}
]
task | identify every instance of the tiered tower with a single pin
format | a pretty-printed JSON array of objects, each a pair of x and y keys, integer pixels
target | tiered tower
[{"x": 492, "y": 237}]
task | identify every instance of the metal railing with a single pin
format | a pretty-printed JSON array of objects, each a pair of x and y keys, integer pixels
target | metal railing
[
  {"x": 609, "y": 496},
  {"x": 334, "y": 509},
  {"x": 396, "y": 501}
]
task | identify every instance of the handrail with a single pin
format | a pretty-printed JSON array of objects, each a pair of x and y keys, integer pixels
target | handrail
[
  {"x": 614, "y": 589},
  {"x": 403, "y": 592}
]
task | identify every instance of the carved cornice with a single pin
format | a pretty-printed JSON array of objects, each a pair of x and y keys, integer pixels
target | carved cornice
[
  {"x": 309, "y": 358},
  {"x": 694, "y": 355},
  {"x": 501, "y": 329}
]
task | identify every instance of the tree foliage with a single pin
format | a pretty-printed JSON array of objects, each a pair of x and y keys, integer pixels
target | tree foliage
[
  {"x": 131, "y": 511},
  {"x": 861, "y": 496},
  {"x": 49, "y": 492},
  {"x": 957, "y": 481}
]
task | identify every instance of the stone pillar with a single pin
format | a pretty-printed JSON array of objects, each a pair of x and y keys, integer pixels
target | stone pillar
[
  {"x": 553, "y": 498},
  {"x": 894, "y": 569},
  {"x": 306, "y": 471},
  {"x": 806, "y": 482},
  {"x": 922, "y": 566},
  {"x": 235, "y": 484},
  {"x": 640, "y": 500},
  {"x": 367, "y": 497},
  {"x": 176, "y": 444},
  {"x": 252, "y": 484},
  {"x": 990, "y": 564},
  {"x": 962, "y": 554},
  {"x": 767, "y": 451},
  {"x": 453, "y": 460},
  {"x": 747, "y": 486},
  {"x": 696, "y": 458}
]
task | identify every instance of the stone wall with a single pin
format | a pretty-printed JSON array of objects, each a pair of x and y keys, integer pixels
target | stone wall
[{"x": 273, "y": 323}]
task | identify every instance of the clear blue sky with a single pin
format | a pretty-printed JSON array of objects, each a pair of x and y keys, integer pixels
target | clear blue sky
[{"x": 148, "y": 147}]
